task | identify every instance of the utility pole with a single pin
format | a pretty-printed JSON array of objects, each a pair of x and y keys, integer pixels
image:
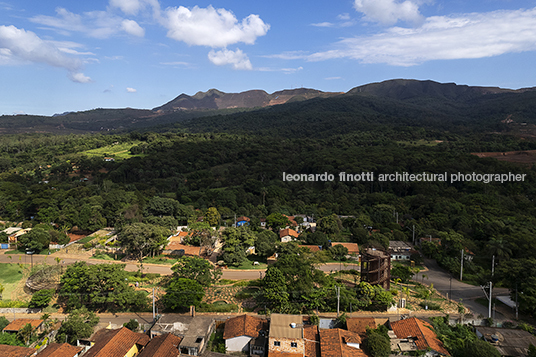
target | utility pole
[
  {"x": 491, "y": 284},
  {"x": 154, "y": 315},
  {"x": 338, "y": 299},
  {"x": 461, "y": 268}
]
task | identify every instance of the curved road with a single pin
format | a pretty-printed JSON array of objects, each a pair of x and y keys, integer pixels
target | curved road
[{"x": 458, "y": 291}]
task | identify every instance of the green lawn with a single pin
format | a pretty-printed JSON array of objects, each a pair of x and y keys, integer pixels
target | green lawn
[
  {"x": 10, "y": 277},
  {"x": 118, "y": 151},
  {"x": 160, "y": 259},
  {"x": 248, "y": 264}
]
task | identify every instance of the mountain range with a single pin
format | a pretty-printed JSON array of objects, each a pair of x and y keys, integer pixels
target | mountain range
[{"x": 397, "y": 100}]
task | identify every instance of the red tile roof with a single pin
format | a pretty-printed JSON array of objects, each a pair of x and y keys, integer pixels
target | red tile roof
[
  {"x": 353, "y": 248},
  {"x": 421, "y": 331},
  {"x": 359, "y": 325},
  {"x": 243, "y": 218},
  {"x": 312, "y": 341},
  {"x": 166, "y": 345},
  {"x": 15, "y": 351},
  {"x": 60, "y": 350},
  {"x": 334, "y": 343},
  {"x": 17, "y": 324},
  {"x": 244, "y": 325},
  {"x": 188, "y": 249},
  {"x": 312, "y": 248},
  {"x": 115, "y": 343},
  {"x": 288, "y": 232}
]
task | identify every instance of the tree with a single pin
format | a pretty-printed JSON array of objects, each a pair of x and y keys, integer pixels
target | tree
[
  {"x": 277, "y": 221},
  {"x": 330, "y": 224},
  {"x": 132, "y": 324},
  {"x": 198, "y": 269},
  {"x": 3, "y": 322},
  {"x": 402, "y": 271},
  {"x": 35, "y": 240},
  {"x": 377, "y": 344},
  {"x": 274, "y": 290},
  {"x": 78, "y": 324},
  {"x": 265, "y": 243},
  {"x": 235, "y": 243},
  {"x": 182, "y": 293},
  {"x": 141, "y": 239},
  {"x": 338, "y": 252},
  {"x": 212, "y": 216},
  {"x": 25, "y": 333},
  {"x": 479, "y": 348},
  {"x": 99, "y": 287},
  {"x": 41, "y": 298}
]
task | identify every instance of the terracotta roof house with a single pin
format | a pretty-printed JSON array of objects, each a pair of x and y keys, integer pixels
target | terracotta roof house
[
  {"x": 17, "y": 324},
  {"x": 359, "y": 325},
  {"x": 16, "y": 351},
  {"x": 116, "y": 343},
  {"x": 312, "y": 248},
  {"x": 166, "y": 345},
  {"x": 176, "y": 248},
  {"x": 241, "y": 330},
  {"x": 288, "y": 235},
  {"x": 61, "y": 350},
  {"x": 286, "y": 336},
  {"x": 241, "y": 221},
  {"x": 340, "y": 343},
  {"x": 312, "y": 341},
  {"x": 420, "y": 332},
  {"x": 353, "y": 248}
]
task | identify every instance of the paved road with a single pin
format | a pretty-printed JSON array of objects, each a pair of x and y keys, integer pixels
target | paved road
[
  {"x": 230, "y": 274},
  {"x": 460, "y": 291}
]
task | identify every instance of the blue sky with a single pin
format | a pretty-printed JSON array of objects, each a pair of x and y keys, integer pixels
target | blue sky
[{"x": 58, "y": 56}]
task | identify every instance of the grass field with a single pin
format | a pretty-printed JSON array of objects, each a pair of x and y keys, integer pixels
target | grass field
[
  {"x": 118, "y": 151},
  {"x": 10, "y": 277}
]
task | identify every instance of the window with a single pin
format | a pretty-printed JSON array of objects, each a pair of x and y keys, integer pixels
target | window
[
  {"x": 277, "y": 343},
  {"x": 293, "y": 344}
]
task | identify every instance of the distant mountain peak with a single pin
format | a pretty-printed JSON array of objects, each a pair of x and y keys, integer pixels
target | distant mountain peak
[{"x": 216, "y": 99}]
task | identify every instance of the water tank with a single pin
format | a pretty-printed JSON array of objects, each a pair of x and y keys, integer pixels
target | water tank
[{"x": 293, "y": 325}]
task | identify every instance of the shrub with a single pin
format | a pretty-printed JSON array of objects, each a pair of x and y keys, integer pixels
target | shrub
[{"x": 41, "y": 298}]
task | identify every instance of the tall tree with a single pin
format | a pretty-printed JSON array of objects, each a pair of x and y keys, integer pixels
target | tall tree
[{"x": 195, "y": 268}]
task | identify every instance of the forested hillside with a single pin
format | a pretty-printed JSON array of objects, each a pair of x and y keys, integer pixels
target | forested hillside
[{"x": 235, "y": 163}]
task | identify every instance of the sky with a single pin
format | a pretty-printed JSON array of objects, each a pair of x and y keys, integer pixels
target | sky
[{"x": 58, "y": 55}]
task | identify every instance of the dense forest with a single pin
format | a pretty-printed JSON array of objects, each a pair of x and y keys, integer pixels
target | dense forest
[{"x": 235, "y": 164}]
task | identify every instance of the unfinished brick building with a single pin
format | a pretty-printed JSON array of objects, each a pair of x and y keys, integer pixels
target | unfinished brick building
[{"x": 376, "y": 267}]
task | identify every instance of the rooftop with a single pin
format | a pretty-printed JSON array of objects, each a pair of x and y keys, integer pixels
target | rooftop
[
  {"x": 60, "y": 350},
  {"x": 281, "y": 326},
  {"x": 244, "y": 325},
  {"x": 17, "y": 324},
  {"x": 421, "y": 332},
  {"x": 166, "y": 345}
]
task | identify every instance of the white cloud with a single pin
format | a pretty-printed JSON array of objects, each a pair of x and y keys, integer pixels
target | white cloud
[
  {"x": 133, "y": 7},
  {"x": 79, "y": 78},
  {"x": 132, "y": 28},
  {"x": 131, "y": 90},
  {"x": 129, "y": 7},
  {"x": 21, "y": 46},
  {"x": 211, "y": 27},
  {"x": 467, "y": 36},
  {"x": 237, "y": 58},
  {"x": 284, "y": 70},
  {"x": 323, "y": 24},
  {"x": 389, "y": 12},
  {"x": 98, "y": 24}
]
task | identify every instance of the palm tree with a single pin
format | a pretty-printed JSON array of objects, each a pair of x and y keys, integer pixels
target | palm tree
[{"x": 499, "y": 247}]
